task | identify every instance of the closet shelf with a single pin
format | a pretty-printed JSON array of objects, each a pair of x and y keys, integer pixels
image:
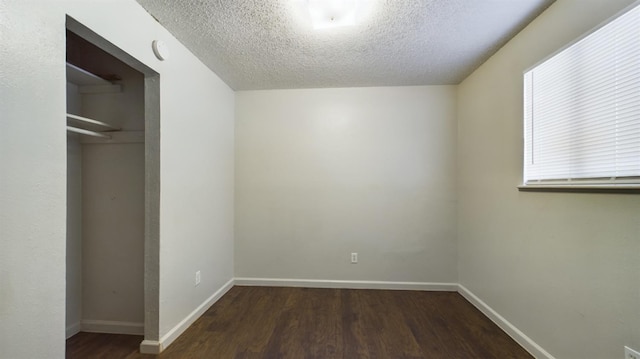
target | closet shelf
[
  {"x": 120, "y": 137},
  {"x": 87, "y": 132},
  {"x": 82, "y": 77},
  {"x": 89, "y": 83}
]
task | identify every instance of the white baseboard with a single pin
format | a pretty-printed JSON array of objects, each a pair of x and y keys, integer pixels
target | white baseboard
[
  {"x": 111, "y": 327},
  {"x": 346, "y": 284},
  {"x": 151, "y": 347},
  {"x": 527, "y": 343},
  {"x": 72, "y": 330},
  {"x": 156, "y": 347}
]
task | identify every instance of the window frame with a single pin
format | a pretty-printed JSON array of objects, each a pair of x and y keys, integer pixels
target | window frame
[{"x": 604, "y": 185}]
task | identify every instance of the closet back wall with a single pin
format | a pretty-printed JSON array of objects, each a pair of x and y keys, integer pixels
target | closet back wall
[
  {"x": 113, "y": 208},
  {"x": 322, "y": 173}
]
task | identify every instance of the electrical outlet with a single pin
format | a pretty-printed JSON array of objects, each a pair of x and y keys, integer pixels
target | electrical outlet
[
  {"x": 197, "y": 278},
  {"x": 631, "y": 354},
  {"x": 354, "y": 260}
]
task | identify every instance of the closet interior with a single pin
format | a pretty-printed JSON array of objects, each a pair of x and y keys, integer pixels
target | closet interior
[{"x": 105, "y": 192}]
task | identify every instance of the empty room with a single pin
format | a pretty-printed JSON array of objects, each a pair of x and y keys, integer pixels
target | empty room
[{"x": 320, "y": 179}]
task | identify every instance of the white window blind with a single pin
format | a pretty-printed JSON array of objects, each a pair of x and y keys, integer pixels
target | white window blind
[{"x": 582, "y": 110}]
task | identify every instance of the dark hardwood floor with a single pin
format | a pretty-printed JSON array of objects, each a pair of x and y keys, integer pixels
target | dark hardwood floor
[{"x": 300, "y": 323}]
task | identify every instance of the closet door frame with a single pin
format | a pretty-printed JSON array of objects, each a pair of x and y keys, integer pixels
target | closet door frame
[{"x": 152, "y": 175}]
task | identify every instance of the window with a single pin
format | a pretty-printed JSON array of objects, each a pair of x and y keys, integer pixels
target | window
[{"x": 582, "y": 110}]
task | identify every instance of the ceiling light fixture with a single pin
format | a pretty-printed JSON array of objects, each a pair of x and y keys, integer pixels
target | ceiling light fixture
[{"x": 334, "y": 13}]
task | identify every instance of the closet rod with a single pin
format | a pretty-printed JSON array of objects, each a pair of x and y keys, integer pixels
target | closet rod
[
  {"x": 92, "y": 121},
  {"x": 87, "y": 132}
]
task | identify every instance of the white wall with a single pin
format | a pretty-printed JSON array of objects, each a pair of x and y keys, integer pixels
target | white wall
[
  {"x": 322, "y": 173},
  {"x": 561, "y": 267},
  {"x": 197, "y": 177},
  {"x": 197, "y": 111}
]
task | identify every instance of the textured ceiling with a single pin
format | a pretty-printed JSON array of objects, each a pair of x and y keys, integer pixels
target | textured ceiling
[{"x": 269, "y": 44}]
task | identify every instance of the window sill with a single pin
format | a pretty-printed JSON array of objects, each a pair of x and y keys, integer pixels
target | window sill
[{"x": 621, "y": 188}]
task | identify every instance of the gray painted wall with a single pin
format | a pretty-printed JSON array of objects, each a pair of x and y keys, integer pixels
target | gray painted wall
[
  {"x": 322, "y": 173},
  {"x": 561, "y": 267}
]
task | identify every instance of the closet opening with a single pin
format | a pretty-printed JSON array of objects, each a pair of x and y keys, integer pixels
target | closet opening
[{"x": 112, "y": 189}]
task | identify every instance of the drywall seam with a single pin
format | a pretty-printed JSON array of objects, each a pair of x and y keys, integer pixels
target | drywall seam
[
  {"x": 527, "y": 343},
  {"x": 156, "y": 347},
  {"x": 111, "y": 327},
  {"x": 346, "y": 284}
]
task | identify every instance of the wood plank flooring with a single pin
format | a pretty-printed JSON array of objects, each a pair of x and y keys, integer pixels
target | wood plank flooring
[{"x": 303, "y": 323}]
